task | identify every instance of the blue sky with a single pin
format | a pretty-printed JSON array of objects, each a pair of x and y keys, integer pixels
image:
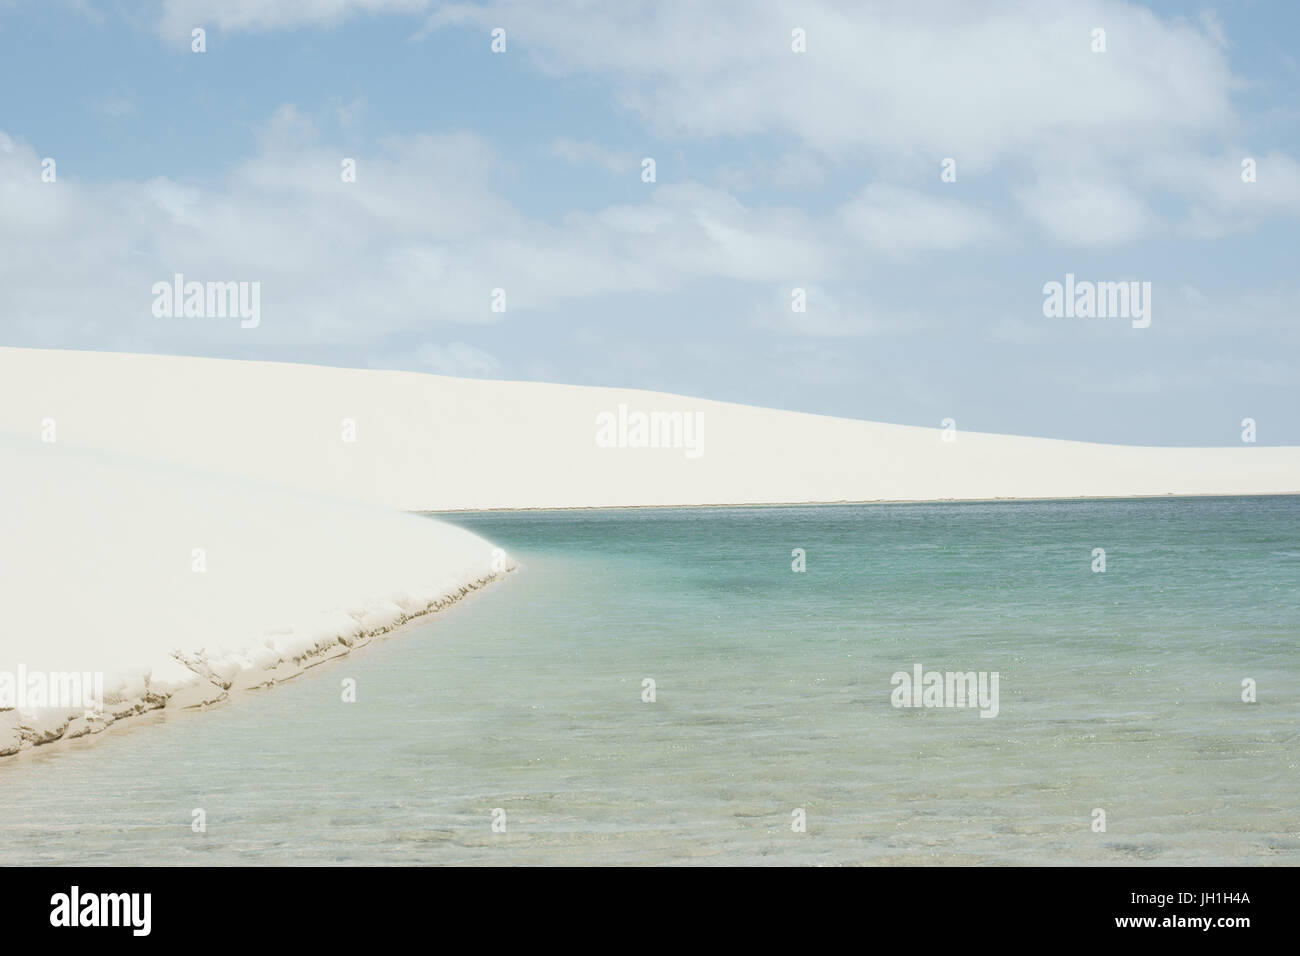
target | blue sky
[{"x": 775, "y": 170}]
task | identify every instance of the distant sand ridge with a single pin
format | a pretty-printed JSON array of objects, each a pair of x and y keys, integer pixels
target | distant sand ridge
[{"x": 424, "y": 442}]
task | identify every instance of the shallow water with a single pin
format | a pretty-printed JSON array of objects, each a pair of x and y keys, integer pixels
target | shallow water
[{"x": 1118, "y": 690}]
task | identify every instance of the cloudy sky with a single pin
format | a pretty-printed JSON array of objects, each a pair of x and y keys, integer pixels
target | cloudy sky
[{"x": 774, "y": 170}]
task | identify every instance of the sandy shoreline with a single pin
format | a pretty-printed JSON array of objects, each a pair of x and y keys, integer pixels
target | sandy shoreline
[
  {"x": 872, "y": 501},
  {"x": 130, "y": 586},
  {"x": 48, "y": 734}
]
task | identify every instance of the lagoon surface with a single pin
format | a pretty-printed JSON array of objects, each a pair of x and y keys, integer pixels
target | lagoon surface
[{"x": 1119, "y": 691}]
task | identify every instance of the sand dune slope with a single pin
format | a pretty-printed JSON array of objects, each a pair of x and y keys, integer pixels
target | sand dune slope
[{"x": 423, "y": 442}]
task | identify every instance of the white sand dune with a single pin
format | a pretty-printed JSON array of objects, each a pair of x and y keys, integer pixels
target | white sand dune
[
  {"x": 180, "y": 588},
  {"x": 425, "y": 442}
]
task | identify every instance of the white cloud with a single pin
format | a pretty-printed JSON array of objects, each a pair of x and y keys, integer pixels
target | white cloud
[
  {"x": 791, "y": 170},
  {"x": 975, "y": 80},
  {"x": 896, "y": 220},
  {"x": 824, "y": 315},
  {"x": 1008, "y": 88},
  {"x": 181, "y": 16},
  {"x": 612, "y": 161},
  {"x": 1086, "y": 210},
  {"x": 1011, "y": 89},
  {"x": 978, "y": 80},
  {"x": 1220, "y": 202},
  {"x": 422, "y": 237},
  {"x": 797, "y": 170}
]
